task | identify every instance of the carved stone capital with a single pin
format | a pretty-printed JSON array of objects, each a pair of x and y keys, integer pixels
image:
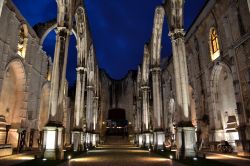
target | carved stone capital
[
  {"x": 96, "y": 98},
  {"x": 155, "y": 70},
  {"x": 78, "y": 69},
  {"x": 90, "y": 87},
  {"x": 145, "y": 87},
  {"x": 177, "y": 34}
]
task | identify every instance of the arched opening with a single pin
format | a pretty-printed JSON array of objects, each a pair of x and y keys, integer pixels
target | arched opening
[
  {"x": 116, "y": 126},
  {"x": 224, "y": 105},
  {"x": 12, "y": 98},
  {"x": 49, "y": 46}
]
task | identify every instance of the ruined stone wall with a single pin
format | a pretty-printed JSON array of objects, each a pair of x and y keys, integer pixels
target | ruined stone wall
[
  {"x": 231, "y": 21},
  {"x": 35, "y": 63},
  {"x": 117, "y": 94}
]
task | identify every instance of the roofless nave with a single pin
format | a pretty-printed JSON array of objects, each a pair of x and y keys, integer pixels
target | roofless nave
[{"x": 192, "y": 101}]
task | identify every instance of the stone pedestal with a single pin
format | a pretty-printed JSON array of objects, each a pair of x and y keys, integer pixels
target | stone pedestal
[
  {"x": 243, "y": 144},
  {"x": 136, "y": 141},
  {"x": 147, "y": 137},
  {"x": 76, "y": 140},
  {"x": 185, "y": 140},
  {"x": 53, "y": 142},
  {"x": 140, "y": 140},
  {"x": 159, "y": 139},
  {"x": 88, "y": 140},
  {"x": 216, "y": 135},
  {"x": 93, "y": 139},
  {"x": 97, "y": 139}
]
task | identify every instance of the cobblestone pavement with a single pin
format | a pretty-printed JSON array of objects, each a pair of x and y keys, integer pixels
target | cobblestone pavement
[
  {"x": 227, "y": 158},
  {"x": 120, "y": 155}
]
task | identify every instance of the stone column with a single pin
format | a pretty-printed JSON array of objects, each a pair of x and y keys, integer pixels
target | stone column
[
  {"x": 58, "y": 71},
  {"x": 139, "y": 120},
  {"x": 55, "y": 148},
  {"x": 89, "y": 113},
  {"x": 185, "y": 131},
  {"x": 145, "y": 112},
  {"x": 95, "y": 117},
  {"x": 78, "y": 112},
  {"x": 78, "y": 115},
  {"x": 145, "y": 107},
  {"x": 159, "y": 136}
]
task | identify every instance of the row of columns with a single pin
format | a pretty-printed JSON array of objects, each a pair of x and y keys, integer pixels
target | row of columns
[
  {"x": 85, "y": 118},
  {"x": 185, "y": 133}
]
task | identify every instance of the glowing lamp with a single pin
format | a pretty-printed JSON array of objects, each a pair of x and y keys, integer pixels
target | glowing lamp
[{"x": 51, "y": 138}]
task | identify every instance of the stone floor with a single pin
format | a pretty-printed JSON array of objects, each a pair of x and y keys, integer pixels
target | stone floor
[
  {"x": 17, "y": 158},
  {"x": 120, "y": 155},
  {"x": 228, "y": 158}
]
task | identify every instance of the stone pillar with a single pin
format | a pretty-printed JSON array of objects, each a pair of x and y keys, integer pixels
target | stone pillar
[
  {"x": 95, "y": 112},
  {"x": 53, "y": 128},
  {"x": 139, "y": 121},
  {"x": 145, "y": 107},
  {"x": 89, "y": 114},
  {"x": 95, "y": 117},
  {"x": 187, "y": 131},
  {"x": 76, "y": 139},
  {"x": 78, "y": 115},
  {"x": 145, "y": 112},
  {"x": 159, "y": 136}
]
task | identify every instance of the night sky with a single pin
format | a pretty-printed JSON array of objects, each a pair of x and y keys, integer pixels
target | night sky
[{"x": 119, "y": 30}]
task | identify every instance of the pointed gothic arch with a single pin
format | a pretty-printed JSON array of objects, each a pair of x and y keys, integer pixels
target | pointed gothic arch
[
  {"x": 224, "y": 109},
  {"x": 13, "y": 104}
]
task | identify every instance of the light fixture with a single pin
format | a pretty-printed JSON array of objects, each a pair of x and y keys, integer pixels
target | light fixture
[
  {"x": 171, "y": 157},
  {"x": 44, "y": 159},
  {"x": 162, "y": 150},
  {"x": 195, "y": 158},
  {"x": 149, "y": 150},
  {"x": 69, "y": 157}
]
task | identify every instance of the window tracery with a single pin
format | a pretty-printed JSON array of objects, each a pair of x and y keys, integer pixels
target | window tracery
[{"x": 214, "y": 44}]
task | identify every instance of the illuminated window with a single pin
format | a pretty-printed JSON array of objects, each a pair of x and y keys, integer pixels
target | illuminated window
[
  {"x": 22, "y": 41},
  {"x": 214, "y": 44}
]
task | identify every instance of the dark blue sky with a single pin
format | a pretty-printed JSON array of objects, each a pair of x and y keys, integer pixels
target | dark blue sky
[{"x": 119, "y": 30}]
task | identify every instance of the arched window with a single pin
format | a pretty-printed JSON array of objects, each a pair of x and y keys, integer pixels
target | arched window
[
  {"x": 214, "y": 44},
  {"x": 22, "y": 41}
]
